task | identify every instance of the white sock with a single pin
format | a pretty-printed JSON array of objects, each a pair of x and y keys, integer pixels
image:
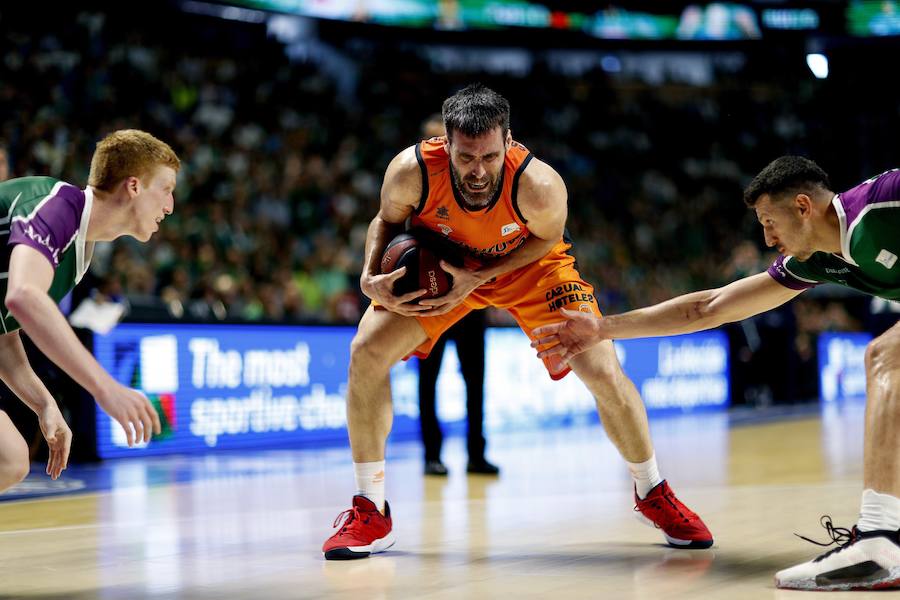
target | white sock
[
  {"x": 645, "y": 474},
  {"x": 879, "y": 512},
  {"x": 370, "y": 481}
]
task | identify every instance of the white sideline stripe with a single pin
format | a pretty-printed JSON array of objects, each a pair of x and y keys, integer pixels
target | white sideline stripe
[{"x": 60, "y": 528}]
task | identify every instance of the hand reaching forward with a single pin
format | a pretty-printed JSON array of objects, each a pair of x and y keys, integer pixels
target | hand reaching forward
[
  {"x": 132, "y": 410},
  {"x": 565, "y": 339}
]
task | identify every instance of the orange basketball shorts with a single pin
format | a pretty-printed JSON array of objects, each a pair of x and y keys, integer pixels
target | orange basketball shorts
[{"x": 532, "y": 294}]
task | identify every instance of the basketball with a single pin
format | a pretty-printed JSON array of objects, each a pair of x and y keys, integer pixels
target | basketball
[{"x": 420, "y": 254}]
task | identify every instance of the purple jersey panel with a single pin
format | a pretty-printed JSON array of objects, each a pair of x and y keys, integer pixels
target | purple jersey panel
[
  {"x": 883, "y": 188},
  {"x": 52, "y": 226},
  {"x": 779, "y": 273}
]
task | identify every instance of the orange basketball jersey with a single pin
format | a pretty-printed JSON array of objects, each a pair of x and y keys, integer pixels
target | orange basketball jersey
[{"x": 484, "y": 234}]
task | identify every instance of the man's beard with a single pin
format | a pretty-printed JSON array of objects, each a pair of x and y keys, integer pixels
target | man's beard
[{"x": 473, "y": 201}]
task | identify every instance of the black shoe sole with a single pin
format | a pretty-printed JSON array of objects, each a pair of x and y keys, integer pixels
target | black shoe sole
[
  {"x": 345, "y": 554},
  {"x": 477, "y": 471},
  {"x": 695, "y": 545}
]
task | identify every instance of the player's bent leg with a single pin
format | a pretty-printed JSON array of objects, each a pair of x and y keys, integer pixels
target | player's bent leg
[
  {"x": 868, "y": 555},
  {"x": 881, "y": 470},
  {"x": 382, "y": 339},
  {"x": 618, "y": 402},
  {"x": 625, "y": 421},
  {"x": 14, "y": 463}
]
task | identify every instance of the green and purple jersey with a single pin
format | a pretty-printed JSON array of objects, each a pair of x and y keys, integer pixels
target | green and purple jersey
[
  {"x": 52, "y": 217},
  {"x": 869, "y": 216}
]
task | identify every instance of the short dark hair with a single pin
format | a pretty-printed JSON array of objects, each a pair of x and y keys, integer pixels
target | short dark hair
[
  {"x": 474, "y": 111},
  {"x": 786, "y": 174}
]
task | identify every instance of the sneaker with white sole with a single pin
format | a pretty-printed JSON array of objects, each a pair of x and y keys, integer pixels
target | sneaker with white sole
[
  {"x": 363, "y": 530},
  {"x": 863, "y": 560},
  {"x": 680, "y": 525}
]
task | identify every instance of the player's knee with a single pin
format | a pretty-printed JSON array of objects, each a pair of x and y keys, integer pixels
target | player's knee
[
  {"x": 14, "y": 469},
  {"x": 883, "y": 374},
  {"x": 602, "y": 374},
  {"x": 883, "y": 356},
  {"x": 21, "y": 470},
  {"x": 609, "y": 375},
  {"x": 366, "y": 357}
]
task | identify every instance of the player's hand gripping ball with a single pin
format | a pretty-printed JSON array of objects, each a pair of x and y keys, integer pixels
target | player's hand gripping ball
[{"x": 420, "y": 252}]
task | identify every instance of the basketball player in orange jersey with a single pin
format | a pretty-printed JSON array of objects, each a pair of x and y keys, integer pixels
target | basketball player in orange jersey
[{"x": 507, "y": 210}]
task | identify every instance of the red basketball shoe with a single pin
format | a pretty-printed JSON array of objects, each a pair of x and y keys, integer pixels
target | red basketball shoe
[
  {"x": 364, "y": 531},
  {"x": 681, "y": 526}
]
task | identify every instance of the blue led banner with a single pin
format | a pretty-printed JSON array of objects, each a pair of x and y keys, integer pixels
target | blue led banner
[
  {"x": 229, "y": 386},
  {"x": 241, "y": 386},
  {"x": 842, "y": 365},
  {"x": 674, "y": 374}
]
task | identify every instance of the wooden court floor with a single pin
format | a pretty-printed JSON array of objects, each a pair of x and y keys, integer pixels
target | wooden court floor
[{"x": 558, "y": 522}]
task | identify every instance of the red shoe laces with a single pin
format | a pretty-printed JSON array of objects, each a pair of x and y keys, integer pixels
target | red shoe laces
[
  {"x": 680, "y": 508},
  {"x": 669, "y": 496},
  {"x": 352, "y": 514}
]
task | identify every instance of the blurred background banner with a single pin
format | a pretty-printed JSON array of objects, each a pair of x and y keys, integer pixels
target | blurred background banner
[
  {"x": 619, "y": 21},
  {"x": 842, "y": 366},
  {"x": 250, "y": 386}
]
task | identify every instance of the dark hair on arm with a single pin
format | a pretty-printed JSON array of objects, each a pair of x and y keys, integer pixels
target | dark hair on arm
[
  {"x": 475, "y": 110},
  {"x": 786, "y": 174}
]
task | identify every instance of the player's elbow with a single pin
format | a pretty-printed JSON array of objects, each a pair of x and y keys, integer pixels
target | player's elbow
[
  {"x": 703, "y": 312},
  {"x": 19, "y": 299},
  {"x": 698, "y": 312}
]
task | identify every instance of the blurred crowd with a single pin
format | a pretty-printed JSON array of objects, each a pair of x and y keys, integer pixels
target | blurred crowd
[{"x": 282, "y": 170}]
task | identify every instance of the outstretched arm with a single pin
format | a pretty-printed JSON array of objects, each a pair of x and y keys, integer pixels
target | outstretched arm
[
  {"x": 691, "y": 312},
  {"x": 30, "y": 276}
]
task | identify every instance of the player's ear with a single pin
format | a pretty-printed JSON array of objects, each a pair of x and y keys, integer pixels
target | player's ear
[
  {"x": 508, "y": 141},
  {"x": 804, "y": 204},
  {"x": 132, "y": 186}
]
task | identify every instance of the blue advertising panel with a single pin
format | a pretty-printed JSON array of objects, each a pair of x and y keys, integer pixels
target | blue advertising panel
[
  {"x": 842, "y": 365},
  {"x": 675, "y": 374},
  {"x": 240, "y": 386},
  {"x": 229, "y": 386}
]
